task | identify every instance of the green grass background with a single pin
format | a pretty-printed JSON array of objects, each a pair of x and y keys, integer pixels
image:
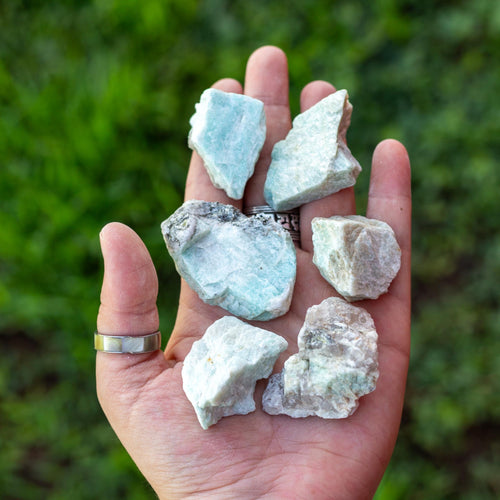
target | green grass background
[{"x": 95, "y": 98}]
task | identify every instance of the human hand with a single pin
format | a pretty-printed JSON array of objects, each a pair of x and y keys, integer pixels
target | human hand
[{"x": 256, "y": 455}]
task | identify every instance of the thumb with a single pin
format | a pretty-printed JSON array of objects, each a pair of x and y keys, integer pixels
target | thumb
[
  {"x": 130, "y": 285},
  {"x": 128, "y": 307}
]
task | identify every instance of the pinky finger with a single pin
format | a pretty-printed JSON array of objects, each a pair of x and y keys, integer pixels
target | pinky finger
[{"x": 389, "y": 200}]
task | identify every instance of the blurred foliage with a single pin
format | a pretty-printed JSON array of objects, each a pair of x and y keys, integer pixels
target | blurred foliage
[{"x": 95, "y": 98}]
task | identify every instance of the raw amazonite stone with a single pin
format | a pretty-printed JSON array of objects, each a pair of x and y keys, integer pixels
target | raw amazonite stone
[
  {"x": 337, "y": 363},
  {"x": 313, "y": 161},
  {"x": 359, "y": 257},
  {"x": 246, "y": 265},
  {"x": 228, "y": 131},
  {"x": 220, "y": 371}
]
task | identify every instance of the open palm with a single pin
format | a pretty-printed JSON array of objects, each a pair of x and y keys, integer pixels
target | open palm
[{"x": 257, "y": 455}]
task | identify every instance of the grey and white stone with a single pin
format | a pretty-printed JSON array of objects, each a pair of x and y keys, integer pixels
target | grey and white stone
[
  {"x": 220, "y": 372},
  {"x": 337, "y": 363},
  {"x": 359, "y": 257},
  {"x": 246, "y": 265},
  {"x": 313, "y": 161},
  {"x": 228, "y": 131}
]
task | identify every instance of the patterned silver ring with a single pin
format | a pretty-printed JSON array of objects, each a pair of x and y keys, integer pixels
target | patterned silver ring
[
  {"x": 289, "y": 219},
  {"x": 127, "y": 344}
]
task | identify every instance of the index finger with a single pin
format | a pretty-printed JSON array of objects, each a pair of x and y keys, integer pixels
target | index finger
[{"x": 198, "y": 183}]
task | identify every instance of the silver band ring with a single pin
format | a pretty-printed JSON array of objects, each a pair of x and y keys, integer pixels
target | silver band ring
[
  {"x": 125, "y": 344},
  {"x": 289, "y": 219}
]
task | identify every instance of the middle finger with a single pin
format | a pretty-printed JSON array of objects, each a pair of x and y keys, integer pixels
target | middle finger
[{"x": 266, "y": 79}]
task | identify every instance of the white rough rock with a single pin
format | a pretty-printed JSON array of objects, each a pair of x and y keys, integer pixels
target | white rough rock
[
  {"x": 220, "y": 371},
  {"x": 337, "y": 363},
  {"x": 313, "y": 161},
  {"x": 359, "y": 257}
]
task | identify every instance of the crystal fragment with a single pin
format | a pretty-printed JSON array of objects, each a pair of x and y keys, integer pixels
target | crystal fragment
[
  {"x": 313, "y": 161},
  {"x": 220, "y": 371},
  {"x": 337, "y": 363},
  {"x": 359, "y": 257},
  {"x": 228, "y": 131},
  {"x": 246, "y": 265}
]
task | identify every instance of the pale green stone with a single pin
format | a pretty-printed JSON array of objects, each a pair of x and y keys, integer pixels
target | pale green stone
[
  {"x": 246, "y": 265},
  {"x": 220, "y": 371},
  {"x": 358, "y": 256},
  {"x": 228, "y": 131},
  {"x": 337, "y": 363},
  {"x": 313, "y": 161}
]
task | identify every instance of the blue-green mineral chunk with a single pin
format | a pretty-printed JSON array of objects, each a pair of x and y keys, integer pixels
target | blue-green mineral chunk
[
  {"x": 228, "y": 131},
  {"x": 313, "y": 161},
  {"x": 246, "y": 265},
  {"x": 220, "y": 371}
]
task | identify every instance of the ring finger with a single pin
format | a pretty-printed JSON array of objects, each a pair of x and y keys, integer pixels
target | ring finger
[{"x": 340, "y": 203}]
